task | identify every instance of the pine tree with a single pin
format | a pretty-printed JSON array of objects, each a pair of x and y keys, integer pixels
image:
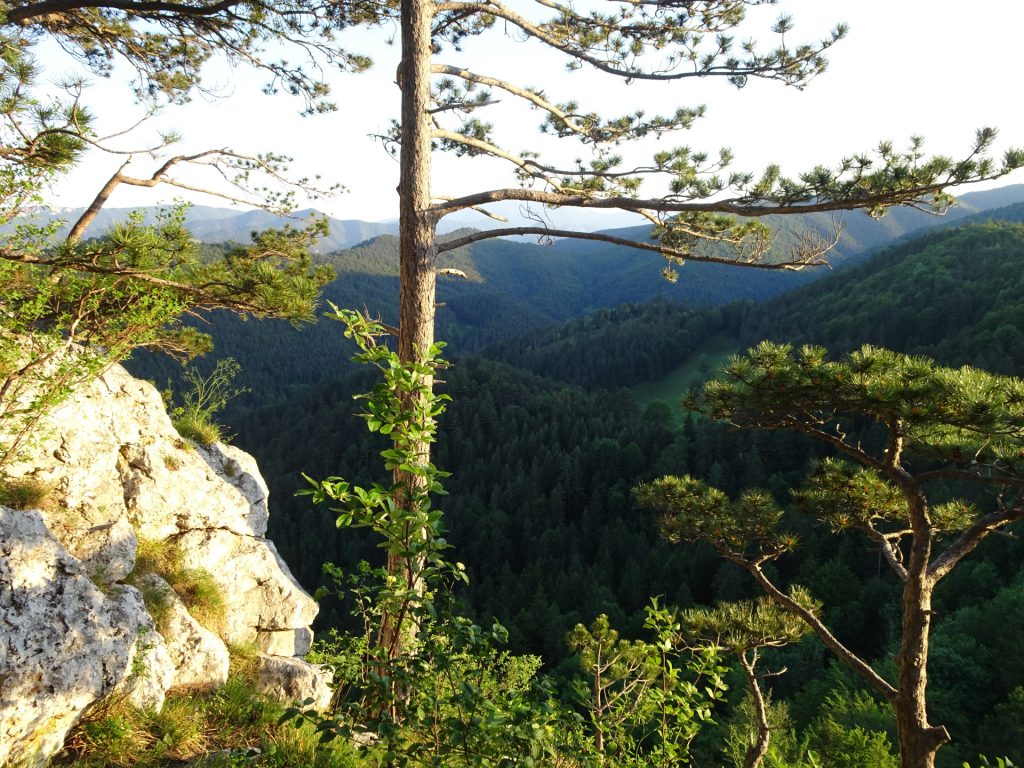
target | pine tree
[
  {"x": 928, "y": 427},
  {"x": 710, "y": 213}
]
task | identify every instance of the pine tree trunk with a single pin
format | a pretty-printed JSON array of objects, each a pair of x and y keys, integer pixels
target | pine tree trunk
[
  {"x": 756, "y": 752},
  {"x": 417, "y": 259},
  {"x": 918, "y": 741}
]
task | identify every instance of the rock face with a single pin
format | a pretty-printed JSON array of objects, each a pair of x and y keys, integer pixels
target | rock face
[
  {"x": 74, "y": 629},
  {"x": 198, "y": 656},
  {"x": 65, "y": 643}
]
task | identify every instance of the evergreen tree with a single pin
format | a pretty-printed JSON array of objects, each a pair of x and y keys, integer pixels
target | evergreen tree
[
  {"x": 710, "y": 214},
  {"x": 928, "y": 427},
  {"x": 745, "y": 629}
]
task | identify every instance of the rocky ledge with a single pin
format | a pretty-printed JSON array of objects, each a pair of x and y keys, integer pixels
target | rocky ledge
[{"x": 79, "y": 580}]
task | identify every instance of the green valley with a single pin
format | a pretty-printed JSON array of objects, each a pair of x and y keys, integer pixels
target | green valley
[{"x": 551, "y": 427}]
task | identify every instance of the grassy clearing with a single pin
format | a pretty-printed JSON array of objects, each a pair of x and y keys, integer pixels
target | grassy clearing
[
  {"x": 232, "y": 726},
  {"x": 702, "y": 365}
]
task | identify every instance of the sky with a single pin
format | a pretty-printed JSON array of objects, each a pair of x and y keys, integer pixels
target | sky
[{"x": 912, "y": 67}]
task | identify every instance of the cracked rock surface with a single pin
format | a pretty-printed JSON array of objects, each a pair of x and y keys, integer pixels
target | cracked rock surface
[
  {"x": 119, "y": 474},
  {"x": 65, "y": 643}
]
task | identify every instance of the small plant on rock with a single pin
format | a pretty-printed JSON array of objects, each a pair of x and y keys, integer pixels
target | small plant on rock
[
  {"x": 195, "y": 587},
  {"x": 194, "y": 418},
  {"x": 23, "y": 493}
]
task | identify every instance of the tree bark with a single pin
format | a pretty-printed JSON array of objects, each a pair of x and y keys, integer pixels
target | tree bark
[
  {"x": 756, "y": 751},
  {"x": 918, "y": 740},
  {"x": 418, "y": 253}
]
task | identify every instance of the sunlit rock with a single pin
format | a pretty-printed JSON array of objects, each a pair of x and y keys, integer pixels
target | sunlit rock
[{"x": 74, "y": 631}]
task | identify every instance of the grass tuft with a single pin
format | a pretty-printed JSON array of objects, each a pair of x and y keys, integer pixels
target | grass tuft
[
  {"x": 198, "y": 427},
  {"x": 157, "y": 602},
  {"x": 231, "y": 726},
  {"x": 24, "y": 493},
  {"x": 196, "y": 587},
  {"x": 243, "y": 661}
]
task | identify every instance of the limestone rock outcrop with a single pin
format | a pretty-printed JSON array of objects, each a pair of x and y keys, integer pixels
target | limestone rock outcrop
[
  {"x": 74, "y": 629},
  {"x": 65, "y": 643},
  {"x": 289, "y": 679},
  {"x": 198, "y": 656}
]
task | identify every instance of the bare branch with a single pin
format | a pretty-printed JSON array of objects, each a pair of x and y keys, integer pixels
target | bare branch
[
  {"x": 851, "y": 659},
  {"x": 474, "y": 237},
  {"x": 478, "y": 146},
  {"x": 888, "y": 544},
  {"x": 973, "y": 476},
  {"x": 524, "y": 93},
  {"x": 739, "y": 206},
  {"x": 970, "y": 539}
]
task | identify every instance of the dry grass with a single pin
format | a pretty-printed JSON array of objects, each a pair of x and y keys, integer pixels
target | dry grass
[
  {"x": 231, "y": 726},
  {"x": 196, "y": 587},
  {"x": 24, "y": 493}
]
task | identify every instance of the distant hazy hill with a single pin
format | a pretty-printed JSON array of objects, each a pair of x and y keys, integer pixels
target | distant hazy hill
[
  {"x": 213, "y": 224},
  {"x": 217, "y": 225},
  {"x": 993, "y": 198},
  {"x": 514, "y": 288},
  {"x": 954, "y": 293}
]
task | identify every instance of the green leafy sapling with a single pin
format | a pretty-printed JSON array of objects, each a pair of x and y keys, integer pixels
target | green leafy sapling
[
  {"x": 206, "y": 397},
  {"x": 404, "y": 407},
  {"x": 646, "y": 701},
  {"x": 445, "y": 695}
]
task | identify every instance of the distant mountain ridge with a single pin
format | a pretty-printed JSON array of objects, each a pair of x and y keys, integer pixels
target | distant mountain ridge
[
  {"x": 212, "y": 224},
  {"x": 954, "y": 293},
  {"x": 513, "y": 288}
]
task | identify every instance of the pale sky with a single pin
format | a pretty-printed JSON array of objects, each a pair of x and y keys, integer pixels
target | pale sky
[{"x": 907, "y": 67}]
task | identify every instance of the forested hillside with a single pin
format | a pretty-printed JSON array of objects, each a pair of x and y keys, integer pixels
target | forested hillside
[
  {"x": 512, "y": 288},
  {"x": 935, "y": 294},
  {"x": 956, "y": 295},
  {"x": 546, "y": 441}
]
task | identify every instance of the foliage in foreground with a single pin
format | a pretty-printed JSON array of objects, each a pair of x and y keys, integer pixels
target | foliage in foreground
[
  {"x": 443, "y": 693},
  {"x": 231, "y": 726},
  {"x": 70, "y": 307},
  {"x": 453, "y": 697}
]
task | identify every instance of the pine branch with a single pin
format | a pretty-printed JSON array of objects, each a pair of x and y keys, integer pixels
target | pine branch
[
  {"x": 858, "y": 665},
  {"x": 795, "y": 265},
  {"x": 27, "y": 13},
  {"x": 562, "y": 35},
  {"x": 970, "y": 539}
]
